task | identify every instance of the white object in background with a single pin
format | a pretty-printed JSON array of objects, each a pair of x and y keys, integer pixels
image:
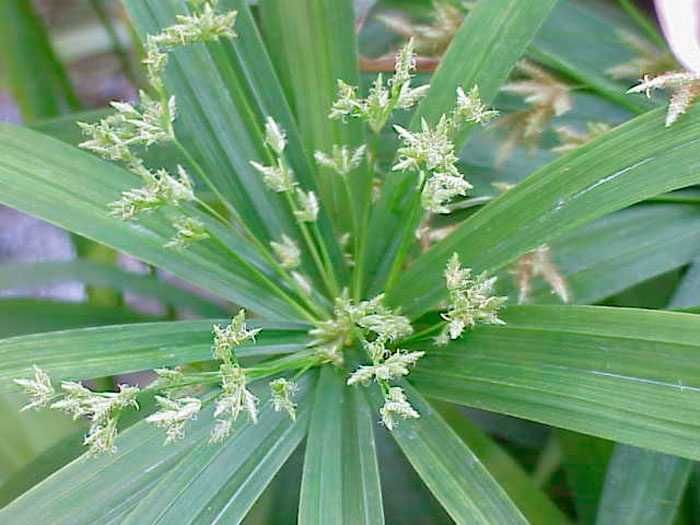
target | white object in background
[{"x": 680, "y": 21}]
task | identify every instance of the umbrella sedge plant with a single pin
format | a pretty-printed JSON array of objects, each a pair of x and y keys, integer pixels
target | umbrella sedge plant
[{"x": 368, "y": 286}]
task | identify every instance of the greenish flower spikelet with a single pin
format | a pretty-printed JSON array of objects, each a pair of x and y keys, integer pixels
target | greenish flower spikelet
[
  {"x": 470, "y": 108},
  {"x": 684, "y": 87},
  {"x": 188, "y": 231},
  {"x": 382, "y": 98},
  {"x": 227, "y": 338},
  {"x": 396, "y": 405},
  {"x": 103, "y": 410},
  {"x": 235, "y": 398},
  {"x": 39, "y": 389},
  {"x": 308, "y": 206},
  {"x": 471, "y": 300},
  {"x": 342, "y": 159},
  {"x": 287, "y": 252},
  {"x": 161, "y": 189},
  {"x": 174, "y": 415},
  {"x": 283, "y": 392}
]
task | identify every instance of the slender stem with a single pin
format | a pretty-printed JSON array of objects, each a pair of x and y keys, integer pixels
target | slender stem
[
  {"x": 405, "y": 239},
  {"x": 260, "y": 247},
  {"x": 265, "y": 279},
  {"x": 205, "y": 178},
  {"x": 357, "y": 278},
  {"x": 324, "y": 251},
  {"x": 643, "y": 22},
  {"x": 425, "y": 332},
  {"x": 359, "y": 270},
  {"x": 117, "y": 47},
  {"x": 331, "y": 284}
]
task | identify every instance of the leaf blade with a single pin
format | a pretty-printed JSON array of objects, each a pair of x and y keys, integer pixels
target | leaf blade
[
  {"x": 97, "y": 352},
  {"x": 596, "y": 179},
  {"x": 593, "y": 370},
  {"x": 451, "y": 471}
]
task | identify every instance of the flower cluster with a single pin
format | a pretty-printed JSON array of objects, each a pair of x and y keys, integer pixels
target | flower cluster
[
  {"x": 470, "y": 107},
  {"x": 283, "y": 392},
  {"x": 187, "y": 231},
  {"x": 102, "y": 409},
  {"x": 378, "y": 329},
  {"x": 39, "y": 389},
  {"x": 160, "y": 189},
  {"x": 235, "y": 396},
  {"x": 383, "y": 98},
  {"x": 395, "y": 366},
  {"x": 342, "y": 159},
  {"x": 546, "y": 96},
  {"x": 648, "y": 59},
  {"x": 538, "y": 263},
  {"x": 366, "y": 320},
  {"x": 174, "y": 415},
  {"x": 287, "y": 252},
  {"x": 279, "y": 176},
  {"x": 118, "y": 136},
  {"x": 396, "y": 405},
  {"x": 571, "y": 139},
  {"x": 228, "y": 337},
  {"x": 684, "y": 87},
  {"x": 115, "y": 136},
  {"x": 471, "y": 300},
  {"x": 431, "y": 151},
  {"x": 203, "y": 26},
  {"x": 434, "y": 38}
]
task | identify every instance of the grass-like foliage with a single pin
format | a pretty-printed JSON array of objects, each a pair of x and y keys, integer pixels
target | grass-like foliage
[{"x": 384, "y": 244}]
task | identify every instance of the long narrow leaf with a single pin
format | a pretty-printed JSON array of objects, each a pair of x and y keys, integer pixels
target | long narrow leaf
[
  {"x": 622, "y": 374},
  {"x": 493, "y": 37},
  {"x": 97, "y": 352},
  {"x": 37, "y": 172},
  {"x": 28, "y": 276},
  {"x": 335, "y": 490},
  {"x": 451, "y": 471},
  {"x": 532, "y": 502},
  {"x": 220, "y": 483},
  {"x": 637, "y": 160},
  {"x": 36, "y": 77},
  {"x": 643, "y": 487}
]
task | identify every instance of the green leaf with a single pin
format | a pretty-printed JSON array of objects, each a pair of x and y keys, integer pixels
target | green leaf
[
  {"x": 96, "y": 352},
  {"x": 532, "y": 502},
  {"x": 39, "y": 274},
  {"x": 334, "y": 489},
  {"x": 220, "y": 483},
  {"x": 617, "y": 373},
  {"x": 494, "y": 36},
  {"x": 35, "y": 76},
  {"x": 687, "y": 294},
  {"x": 619, "y": 251},
  {"x": 451, "y": 470},
  {"x": 36, "y": 172},
  {"x": 309, "y": 59},
  {"x": 635, "y": 161},
  {"x": 105, "y": 488},
  {"x": 643, "y": 487},
  {"x": 67, "y": 448},
  {"x": 29, "y": 316},
  {"x": 597, "y": 31},
  {"x": 585, "y": 460},
  {"x": 222, "y": 141}
]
